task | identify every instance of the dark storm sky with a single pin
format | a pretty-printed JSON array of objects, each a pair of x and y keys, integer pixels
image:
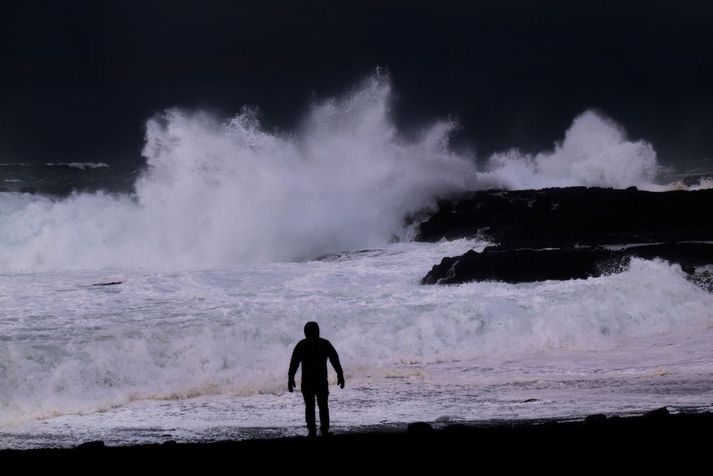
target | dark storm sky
[{"x": 78, "y": 79}]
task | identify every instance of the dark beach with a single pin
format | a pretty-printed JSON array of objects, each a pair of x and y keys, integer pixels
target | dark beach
[{"x": 645, "y": 441}]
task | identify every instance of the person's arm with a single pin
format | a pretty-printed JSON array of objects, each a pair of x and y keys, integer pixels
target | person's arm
[
  {"x": 294, "y": 364},
  {"x": 334, "y": 360}
]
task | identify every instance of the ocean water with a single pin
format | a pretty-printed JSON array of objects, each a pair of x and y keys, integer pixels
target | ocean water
[
  {"x": 203, "y": 354},
  {"x": 233, "y": 237}
]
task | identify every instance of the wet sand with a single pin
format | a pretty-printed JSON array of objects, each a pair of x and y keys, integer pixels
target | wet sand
[{"x": 656, "y": 440}]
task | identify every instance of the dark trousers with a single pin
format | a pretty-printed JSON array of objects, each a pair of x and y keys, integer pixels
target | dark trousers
[{"x": 322, "y": 398}]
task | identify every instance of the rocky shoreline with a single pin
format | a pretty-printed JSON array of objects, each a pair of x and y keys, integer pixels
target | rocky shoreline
[
  {"x": 571, "y": 233},
  {"x": 561, "y": 217},
  {"x": 528, "y": 265}
]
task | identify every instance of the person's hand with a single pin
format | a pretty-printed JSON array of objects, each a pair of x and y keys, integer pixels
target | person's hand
[
  {"x": 340, "y": 381},
  {"x": 291, "y": 384}
]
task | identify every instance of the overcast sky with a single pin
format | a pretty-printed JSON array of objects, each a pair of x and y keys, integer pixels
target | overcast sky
[{"x": 79, "y": 78}]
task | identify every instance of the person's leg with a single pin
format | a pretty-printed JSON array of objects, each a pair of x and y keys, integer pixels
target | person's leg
[
  {"x": 309, "y": 412},
  {"x": 323, "y": 403}
]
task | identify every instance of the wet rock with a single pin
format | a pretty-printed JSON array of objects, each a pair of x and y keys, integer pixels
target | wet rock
[
  {"x": 91, "y": 445},
  {"x": 595, "y": 419},
  {"x": 561, "y": 217},
  {"x": 528, "y": 265}
]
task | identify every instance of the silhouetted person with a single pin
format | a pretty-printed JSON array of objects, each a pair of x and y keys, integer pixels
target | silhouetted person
[{"x": 313, "y": 353}]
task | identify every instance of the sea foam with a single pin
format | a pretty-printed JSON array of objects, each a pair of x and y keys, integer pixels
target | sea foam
[{"x": 71, "y": 347}]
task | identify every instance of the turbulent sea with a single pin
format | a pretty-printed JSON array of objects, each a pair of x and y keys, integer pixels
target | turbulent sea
[{"x": 232, "y": 237}]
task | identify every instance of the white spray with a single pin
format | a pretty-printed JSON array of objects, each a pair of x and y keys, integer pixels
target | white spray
[
  {"x": 595, "y": 153},
  {"x": 221, "y": 193},
  {"x": 218, "y": 194}
]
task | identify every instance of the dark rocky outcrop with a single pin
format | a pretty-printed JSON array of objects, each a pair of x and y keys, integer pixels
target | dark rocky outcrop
[
  {"x": 91, "y": 446},
  {"x": 596, "y": 419},
  {"x": 567, "y": 233},
  {"x": 527, "y": 265},
  {"x": 560, "y": 217}
]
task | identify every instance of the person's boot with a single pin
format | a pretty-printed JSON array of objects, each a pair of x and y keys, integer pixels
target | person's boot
[{"x": 312, "y": 433}]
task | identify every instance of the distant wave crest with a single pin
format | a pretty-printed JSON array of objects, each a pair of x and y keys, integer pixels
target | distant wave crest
[{"x": 78, "y": 165}]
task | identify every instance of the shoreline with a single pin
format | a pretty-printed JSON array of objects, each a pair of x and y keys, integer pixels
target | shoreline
[{"x": 664, "y": 437}]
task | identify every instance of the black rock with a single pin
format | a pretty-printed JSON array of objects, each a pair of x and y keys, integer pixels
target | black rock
[
  {"x": 91, "y": 445},
  {"x": 560, "y": 217},
  {"x": 595, "y": 419},
  {"x": 528, "y": 265}
]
